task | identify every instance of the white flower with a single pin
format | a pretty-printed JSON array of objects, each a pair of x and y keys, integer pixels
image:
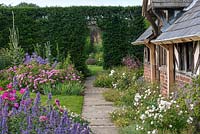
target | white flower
[
  {"x": 112, "y": 72},
  {"x": 114, "y": 86},
  {"x": 191, "y": 106},
  {"x": 190, "y": 120},
  {"x": 137, "y": 97},
  {"x": 170, "y": 126},
  {"x": 142, "y": 117},
  {"x": 180, "y": 112},
  {"x": 151, "y": 122},
  {"x": 154, "y": 131}
]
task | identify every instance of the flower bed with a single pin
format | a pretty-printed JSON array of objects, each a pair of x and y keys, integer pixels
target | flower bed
[
  {"x": 38, "y": 75},
  {"x": 143, "y": 110},
  {"x": 26, "y": 115}
]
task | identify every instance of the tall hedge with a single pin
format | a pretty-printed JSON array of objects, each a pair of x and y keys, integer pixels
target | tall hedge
[
  {"x": 119, "y": 30},
  {"x": 68, "y": 27}
]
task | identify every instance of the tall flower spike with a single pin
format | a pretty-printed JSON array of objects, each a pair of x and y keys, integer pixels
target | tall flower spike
[
  {"x": 49, "y": 96},
  {"x": 15, "y": 82},
  {"x": 37, "y": 99}
]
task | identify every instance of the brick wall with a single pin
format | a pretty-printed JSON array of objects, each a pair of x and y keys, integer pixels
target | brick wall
[
  {"x": 163, "y": 80},
  {"x": 147, "y": 72},
  {"x": 182, "y": 79}
]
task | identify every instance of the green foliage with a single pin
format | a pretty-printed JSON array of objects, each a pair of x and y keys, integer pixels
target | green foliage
[
  {"x": 69, "y": 88},
  {"x": 4, "y": 61},
  {"x": 24, "y": 4},
  {"x": 14, "y": 52},
  {"x": 103, "y": 80},
  {"x": 123, "y": 117},
  {"x": 112, "y": 95},
  {"x": 118, "y": 33},
  {"x": 191, "y": 94},
  {"x": 3, "y": 83},
  {"x": 68, "y": 28},
  {"x": 120, "y": 78}
]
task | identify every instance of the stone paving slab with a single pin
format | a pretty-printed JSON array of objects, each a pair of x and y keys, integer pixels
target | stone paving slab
[
  {"x": 104, "y": 129},
  {"x": 96, "y": 110}
]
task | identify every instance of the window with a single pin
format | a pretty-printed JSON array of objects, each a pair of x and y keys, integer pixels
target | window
[
  {"x": 186, "y": 57},
  {"x": 146, "y": 55}
]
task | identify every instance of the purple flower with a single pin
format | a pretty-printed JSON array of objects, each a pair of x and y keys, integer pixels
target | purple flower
[{"x": 49, "y": 96}]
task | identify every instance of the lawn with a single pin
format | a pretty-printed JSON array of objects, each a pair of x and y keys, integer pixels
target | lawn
[
  {"x": 94, "y": 69},
  {"x": 73, "y": 103}
]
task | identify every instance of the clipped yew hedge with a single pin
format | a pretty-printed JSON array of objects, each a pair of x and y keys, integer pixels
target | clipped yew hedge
[{"x": 68, "y": 27}]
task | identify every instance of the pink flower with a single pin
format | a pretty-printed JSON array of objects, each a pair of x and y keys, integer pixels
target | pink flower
[
  {"x": 57, "y": 102},
  {"x": 12, "y": 98},
  {"x": 13, "y": 91},
  {"x": 9, "y": 86},
  {"x": 22, "y": 91},
  {"x": 1, "y": 89},
  {"x": 43, "y": 118},
  {"x": 61, "y": 110},
  {"x": 30, "y": 66},
  {"x": 5, "y": 96},
  {"x": 16, "y": 105}
]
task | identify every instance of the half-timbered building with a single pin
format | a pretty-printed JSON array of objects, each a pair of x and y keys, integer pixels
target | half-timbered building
[{"x": 172, "y": 42}]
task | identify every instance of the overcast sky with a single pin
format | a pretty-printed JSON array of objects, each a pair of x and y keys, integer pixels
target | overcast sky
[{"x": 63, "y": 3}]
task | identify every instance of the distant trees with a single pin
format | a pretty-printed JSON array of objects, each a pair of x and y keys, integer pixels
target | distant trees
[{"x": 24, "y": 4}]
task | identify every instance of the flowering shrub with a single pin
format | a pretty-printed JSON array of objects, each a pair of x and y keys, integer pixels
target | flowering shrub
[
  {"x": 36, "y": 73},
  {"x": 34, "y": 58},
  {"x": 131, "y": 63},
  {"x": 152, "y": 113},
  {"x": 103, "y": 80},
  {"x": 191, "y": 96},
  {"x": 29, "y": 116},
  {"x": 120, "y": 78},
  {"x": 123, "y": 78}
]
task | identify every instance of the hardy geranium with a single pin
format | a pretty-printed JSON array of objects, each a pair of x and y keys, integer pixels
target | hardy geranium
[
  {"x": 1, "y": 89},
  {"x": 23, "y": 90}
]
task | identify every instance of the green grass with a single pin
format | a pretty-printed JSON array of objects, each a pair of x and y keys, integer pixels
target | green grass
[
  {"x": 94, "y": 69},
  {"x": 73, "y": 103}
]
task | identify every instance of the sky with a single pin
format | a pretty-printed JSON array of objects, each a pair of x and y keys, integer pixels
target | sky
[{"x": 65, "y": 3}]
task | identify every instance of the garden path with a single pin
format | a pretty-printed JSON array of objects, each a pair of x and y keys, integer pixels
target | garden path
[{"x": 96, "y": 110}]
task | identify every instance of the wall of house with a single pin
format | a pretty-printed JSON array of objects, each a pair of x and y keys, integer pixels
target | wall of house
[
  {"x": 163, "y": 80},
  {"x": 147, "y": 72},
  {"x": 182, "y": 79},
  {"x": 186, "y": 77}
]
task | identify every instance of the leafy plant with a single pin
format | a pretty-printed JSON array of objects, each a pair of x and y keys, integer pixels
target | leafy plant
[
  {"x": 103, "y": 80},
  {"x": 4, "y": 61},
  {"x": 15, "y": 52},
  {"x": 68, "y": 88},
  {"x": 112, "y": 95}
]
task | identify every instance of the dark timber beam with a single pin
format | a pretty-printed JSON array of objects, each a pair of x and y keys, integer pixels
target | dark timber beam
[{"x": 148, "y": 16}]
